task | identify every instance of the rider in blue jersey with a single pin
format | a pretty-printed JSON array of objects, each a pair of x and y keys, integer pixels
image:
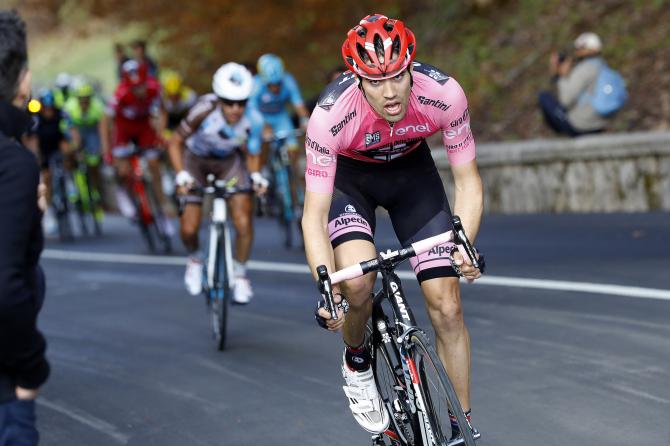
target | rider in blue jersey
[{"x": 274, "y": 89}]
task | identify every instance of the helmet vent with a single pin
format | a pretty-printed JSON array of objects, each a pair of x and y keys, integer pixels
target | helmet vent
[
  {"x": 379, "y": 47},
  {"x": 388, "y": 26},
  {"x": 395, "y": 49},
  {"x": 365, "y": 57},
  {"x": 361, "y": 31}
]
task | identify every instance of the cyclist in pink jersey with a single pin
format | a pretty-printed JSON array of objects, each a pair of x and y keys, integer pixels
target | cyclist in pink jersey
[{"x": 366, "y": 147}]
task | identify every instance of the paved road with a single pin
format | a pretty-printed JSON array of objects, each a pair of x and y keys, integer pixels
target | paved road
[{"x": 134, "y": 363}]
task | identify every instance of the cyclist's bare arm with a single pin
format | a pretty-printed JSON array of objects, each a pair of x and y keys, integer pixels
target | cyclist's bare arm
[
  {"x": 468, "y": 205},
  {"x": 105, "y": 134},
  {"x": 176, "y": 151},
  {"x": 315, "y": 227},
  {"x": 317, "y": 245},
  {"x": 161, "y": 119},
  {"x": 253, "y": 163}
]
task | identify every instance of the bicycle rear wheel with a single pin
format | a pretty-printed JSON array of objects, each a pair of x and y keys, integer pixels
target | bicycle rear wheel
[
  {"x": 386, "y": 366},
  {"x": 438, "y": 393}
]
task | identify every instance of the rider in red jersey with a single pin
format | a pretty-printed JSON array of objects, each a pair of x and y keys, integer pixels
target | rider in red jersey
[
  {"x": 366, "y": 147},
  {"x": 136, "y": 101}
]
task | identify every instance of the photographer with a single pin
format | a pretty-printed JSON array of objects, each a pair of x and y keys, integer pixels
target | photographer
[
  {"x": 575, "y": 76},
  {"x": 23, "y": 366}
]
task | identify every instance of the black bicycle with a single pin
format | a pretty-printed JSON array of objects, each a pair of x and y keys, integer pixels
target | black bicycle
[
  {"x": 61, "y": 189},
  {"x": 410, "y": 377}
]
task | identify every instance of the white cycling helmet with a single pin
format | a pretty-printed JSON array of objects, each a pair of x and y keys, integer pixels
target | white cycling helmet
[
  {"x": 232, "y": 81},
  {"x": 63, "y": 80}
]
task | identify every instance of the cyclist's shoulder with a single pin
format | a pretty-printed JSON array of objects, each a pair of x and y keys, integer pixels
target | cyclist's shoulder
[
  {"x": 429, "y": 72},
  {"x": 336, "y": 91},
  {"x": 289, "y": 80},
  {"x": 71, "y": 105},
  {"x": 438, "y": 95},
  {"x": 204, "y": 104}
]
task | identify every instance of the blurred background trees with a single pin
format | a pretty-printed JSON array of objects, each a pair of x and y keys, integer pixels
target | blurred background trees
[{"x": 497, "y": 49}]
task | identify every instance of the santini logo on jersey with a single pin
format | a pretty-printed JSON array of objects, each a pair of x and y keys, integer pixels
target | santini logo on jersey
[
  {"x": 340, "y": 125},
  {"x": 434, "y": 102}
]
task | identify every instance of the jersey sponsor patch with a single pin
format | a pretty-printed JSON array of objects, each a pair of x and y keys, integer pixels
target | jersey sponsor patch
[
  {"x": 391, "y": 151},
  {"x": 434, "y": 73},
  {"x": 335, "y": 89}
]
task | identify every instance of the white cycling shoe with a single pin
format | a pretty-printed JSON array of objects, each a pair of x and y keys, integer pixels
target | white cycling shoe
[
  {"x": 364, "y": 401},
  {"x": 193, "y": 276},
  {"x": 242, "y": 291}
]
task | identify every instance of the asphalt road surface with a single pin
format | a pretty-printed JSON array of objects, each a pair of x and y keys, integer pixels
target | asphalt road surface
[{"x": 555, "y": 362}]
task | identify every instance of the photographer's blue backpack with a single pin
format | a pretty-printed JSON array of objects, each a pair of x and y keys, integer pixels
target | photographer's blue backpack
[{"x": 609, "y": 93}]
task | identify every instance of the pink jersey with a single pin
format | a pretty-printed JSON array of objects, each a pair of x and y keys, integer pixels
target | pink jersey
[{"x": 343, "y": 123}]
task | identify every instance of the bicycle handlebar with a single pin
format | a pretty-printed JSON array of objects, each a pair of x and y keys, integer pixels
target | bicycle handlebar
[{"x": 326, "y": 281}]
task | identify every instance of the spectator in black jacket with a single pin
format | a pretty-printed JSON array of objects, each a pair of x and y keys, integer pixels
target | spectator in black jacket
[{"x": 23, "y": 366}]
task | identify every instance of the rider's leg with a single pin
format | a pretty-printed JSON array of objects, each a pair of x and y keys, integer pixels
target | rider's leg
[
  {"x": 443, "y": 301},
  {"x": 124, "y": 192},
  {"x": 357, "y": 290},
  {"x": 241, "y": 210},
  {"x": 189, "y": 227}
]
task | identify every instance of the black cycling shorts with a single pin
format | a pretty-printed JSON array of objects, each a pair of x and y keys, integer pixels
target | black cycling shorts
[{"x": 410, "y": 189}]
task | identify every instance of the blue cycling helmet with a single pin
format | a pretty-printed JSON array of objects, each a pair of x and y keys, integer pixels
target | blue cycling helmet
[
  {"x": 270, "y": 68},
  {"x": 47, "y": 98}
]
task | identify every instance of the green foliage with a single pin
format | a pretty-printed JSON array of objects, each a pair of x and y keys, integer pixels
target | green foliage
[{"x": 497, "y": 49}]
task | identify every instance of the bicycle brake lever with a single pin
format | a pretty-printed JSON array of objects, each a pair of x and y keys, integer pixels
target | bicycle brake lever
[
  {"x": 327, "y": 290},
  {"x": 463, "y": 240}
]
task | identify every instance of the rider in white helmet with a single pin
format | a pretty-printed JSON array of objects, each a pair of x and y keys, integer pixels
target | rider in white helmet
[{"x": 221, "y": 137}]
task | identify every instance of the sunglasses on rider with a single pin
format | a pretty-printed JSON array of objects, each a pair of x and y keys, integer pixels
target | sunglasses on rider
[{"x": 230, "y": 103}]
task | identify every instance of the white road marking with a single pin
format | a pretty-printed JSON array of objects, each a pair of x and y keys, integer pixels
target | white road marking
[
  {"x": 296, "y": 268},
  {"x": 87, "y": 419}
]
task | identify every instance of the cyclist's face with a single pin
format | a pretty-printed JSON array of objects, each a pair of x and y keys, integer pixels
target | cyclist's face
[
  {"x": 389, "y": 97},
  {"x": 274, "y": 88},
  {"x": 232, "y": 110},
  {"x": 84, "y": 102}
]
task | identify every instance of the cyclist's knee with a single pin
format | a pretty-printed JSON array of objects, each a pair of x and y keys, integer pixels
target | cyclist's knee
[
  {"x": 358, "y": 290},
  {"x": 443, "y": 299},
  {"x": 188, "y": 230}
]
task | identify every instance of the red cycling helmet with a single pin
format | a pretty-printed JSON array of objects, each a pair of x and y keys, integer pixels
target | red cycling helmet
[{"x": 379, "y": 47}]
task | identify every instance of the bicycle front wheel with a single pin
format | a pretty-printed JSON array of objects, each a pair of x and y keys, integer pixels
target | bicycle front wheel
[
  {"x": 387, "y": 369},
  {"x": 438, "y": 394}
]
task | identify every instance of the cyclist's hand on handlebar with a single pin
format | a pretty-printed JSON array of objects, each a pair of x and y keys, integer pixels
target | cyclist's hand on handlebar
[
  {"x": 465, "y": 265},
  {"x": 260, "y": 183},
  {"x": 184, "y": 182},
  {"x": 323, "y": 317}
]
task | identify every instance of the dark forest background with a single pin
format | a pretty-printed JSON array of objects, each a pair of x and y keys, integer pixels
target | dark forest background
[{"x": 497, "y": 49}]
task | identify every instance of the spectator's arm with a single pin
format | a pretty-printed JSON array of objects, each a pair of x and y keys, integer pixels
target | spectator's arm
[
  {"x": 575, "y": 83},
  {"x": 21, "y": 345}
]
